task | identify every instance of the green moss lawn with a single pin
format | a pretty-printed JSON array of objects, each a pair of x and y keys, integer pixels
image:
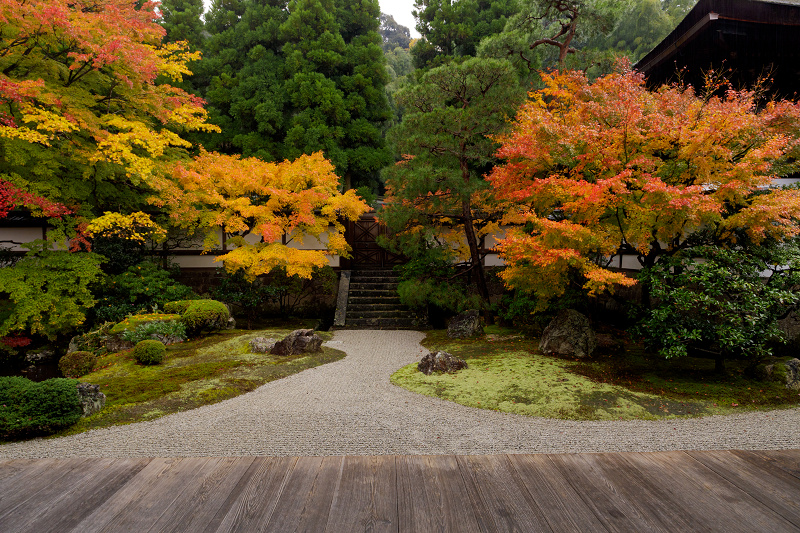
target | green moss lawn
[
  {"x": 194, "y": 373},
  {"x": 506, "y": 373}
]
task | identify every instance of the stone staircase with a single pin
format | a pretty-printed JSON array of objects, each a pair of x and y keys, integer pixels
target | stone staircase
[{"x": 373, "y": 302}]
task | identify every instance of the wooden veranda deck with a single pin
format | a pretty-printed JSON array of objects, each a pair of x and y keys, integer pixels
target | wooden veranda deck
[{"x": 665, "y": 491}]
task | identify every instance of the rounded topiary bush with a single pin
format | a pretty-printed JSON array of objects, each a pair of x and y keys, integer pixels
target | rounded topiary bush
[
  {"x": 177, "y": 307},
  {"x": 149, "y": 352},
  {"x": 76, "y": 364},
  {"x": 205, "y": 315},
  {"x": 28, "y": 408}
]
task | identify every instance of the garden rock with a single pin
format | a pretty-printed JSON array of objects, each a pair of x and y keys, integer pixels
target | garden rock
[
  {"x": 92, "y": 400},
  {"x": 115, "y": 343},
  {"x": 440, "y": 362},
  {"x": 40, "y": 356},
  {"x": 298, "y": 341},
  {"x": 792, "y": 374},
  {"x": 231, "y": 323},
  {"x": 568, "y": 334},
  {"x": 465, "y": 325},
  {"x": 262, "y": 344},
  {"x": 166, "y": 340},
  {"x": 787, "y": 372}
]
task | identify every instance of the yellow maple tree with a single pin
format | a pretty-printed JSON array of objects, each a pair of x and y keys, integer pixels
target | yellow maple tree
[{"x": 260, "y": 206}]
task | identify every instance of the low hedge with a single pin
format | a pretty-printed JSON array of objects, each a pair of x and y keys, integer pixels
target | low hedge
[
  {"x": 149, "y": 352},
  {"x": 205, "y": 315},
  {"x": 77, "y": 364},
  {"x": 29, "y": 409}
]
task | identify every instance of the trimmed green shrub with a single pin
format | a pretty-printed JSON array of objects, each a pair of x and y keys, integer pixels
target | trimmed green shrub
[
  {"x": 29, "y": 409},
  {"x": 726, "y": 302},
  {"x": 158, "y": 330},
  {"x": 76, "y": 364},
  {"x": 177, "y": 307},
  {"x": 149, "y": 352},
  {"x": 205, "y": 315}
]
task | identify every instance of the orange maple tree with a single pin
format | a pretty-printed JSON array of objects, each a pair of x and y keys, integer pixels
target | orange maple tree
[
  {"x": 79, "y": 98},
  {"x": 595, "y": 168},
  {"x": 262, "y": 206}
]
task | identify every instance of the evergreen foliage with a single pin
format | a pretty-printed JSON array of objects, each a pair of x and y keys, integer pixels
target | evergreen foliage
[
  {"x": 437, "y": 196},
  {"x": 455, "y": 28},
  {"x": 28, "y": 409},
  {"x": 283, "y": 80},
  {"x": 717, "y": 300},
  {"x": 393, "y": 35}
]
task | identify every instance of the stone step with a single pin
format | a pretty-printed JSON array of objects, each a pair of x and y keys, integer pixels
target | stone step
[
  {"x": 389, "y": 306},
  {"x": 381, "y": 323},
  {"x": 376, "y": 273},
  {"x": 370, "y": 300},
  {"x": 374, "y": 279},
  {"x": 361, "y": 286},
  {"x": 371, "y": 293},
  {"x": 367, "y": 313}
]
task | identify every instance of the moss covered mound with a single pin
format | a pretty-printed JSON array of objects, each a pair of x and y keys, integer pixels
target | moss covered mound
[{"x": 509, "y": 375}]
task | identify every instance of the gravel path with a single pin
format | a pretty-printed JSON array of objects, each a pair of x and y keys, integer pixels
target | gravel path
[{"x": 350, "y": 408}]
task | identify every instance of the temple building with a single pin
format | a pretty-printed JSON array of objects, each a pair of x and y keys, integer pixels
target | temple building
[{"x": 747, "y": 39}]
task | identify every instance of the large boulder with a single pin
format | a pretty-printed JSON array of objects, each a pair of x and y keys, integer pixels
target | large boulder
[
  {"x": 465, "y": 325},
  {"x": 440, "y": 362},
  {"x": 262, "y": 344},
  {"x": 41, "y": 356},
  {"x": 298, "y": 341},
  {"x": 92, "y": 400},
  {"x": 786, "y": 372},
  {"x": 568, "y": 334}
]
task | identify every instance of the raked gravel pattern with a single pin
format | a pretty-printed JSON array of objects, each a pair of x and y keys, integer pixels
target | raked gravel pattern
[{"x": 350, "y": 408}]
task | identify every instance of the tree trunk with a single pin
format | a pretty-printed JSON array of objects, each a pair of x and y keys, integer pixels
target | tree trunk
[
  {"x": 719, "y": 364},
  {"x": 472, "y": 241}
]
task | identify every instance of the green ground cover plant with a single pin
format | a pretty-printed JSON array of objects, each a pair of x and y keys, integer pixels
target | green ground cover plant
[
  {"x": 194, "y": 373},
  {"x": 506, "y": 373}
]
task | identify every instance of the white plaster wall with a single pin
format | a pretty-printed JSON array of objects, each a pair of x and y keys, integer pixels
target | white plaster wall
[
  {"x": 20, "y": 235},
  {"x": 196, "y": 261},
  {"x": 308, "y": 242}
]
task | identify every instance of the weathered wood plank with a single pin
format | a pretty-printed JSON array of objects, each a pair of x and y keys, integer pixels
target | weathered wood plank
[
  {"x": 564, "y": 508},
  {"x": 26, "y": 484},
  {"x": 709, "y": 494},
  {"x": 674, "y": 491},
  {"x": 504, "y": 502},
  {"x": 305, "y": 502},
  {"x": 603, "y": 496},
  {"x": 66, "y": 502},
  {"x": 366, "y": 499},
  {"x": 11, "y": 468},
  {"x": 251, "y": 507},
  {"x": 202, "y": 500},
  {"x": 433, "y": 495},
  {"x": 786, "y": 460},
  {"x": 133, "y": 505},
  {"x": 773, "y": 488},
  {"x": 645, "y": 492}
]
